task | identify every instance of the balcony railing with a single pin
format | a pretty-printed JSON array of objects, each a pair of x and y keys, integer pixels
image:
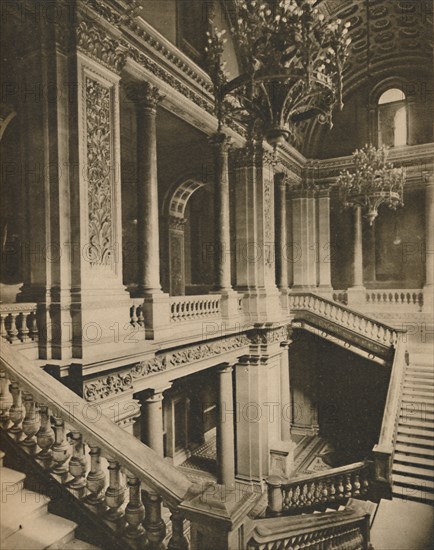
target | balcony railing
[
  {"x": 18, "y": 322},
  {"x": 322, "y": 489},
  {"x": 191, "y": 308},
  {"x": 344, "y": 530},
  {"x": 395, "y": 297}
]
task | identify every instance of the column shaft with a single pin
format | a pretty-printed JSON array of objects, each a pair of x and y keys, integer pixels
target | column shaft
[
  {"x": 154, "y": 422},
  {"x": 146, "y": 98},
  {"x": 324, "y": 265},
  {"x": 429, "y": 233},
  {"x": 282, "y": 237},
  {"x": 358, "y": 250},
  {"x": 222, "y": 214},
  {"x": 225, "y": 429}
]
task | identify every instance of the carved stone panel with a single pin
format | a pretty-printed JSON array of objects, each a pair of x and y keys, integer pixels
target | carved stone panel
[{"x": 99, "y": 168}]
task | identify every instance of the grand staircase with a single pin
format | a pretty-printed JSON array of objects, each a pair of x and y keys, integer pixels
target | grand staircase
[
  {"x": 26, "y": 524},
  {"x": 413, "y": 464}
]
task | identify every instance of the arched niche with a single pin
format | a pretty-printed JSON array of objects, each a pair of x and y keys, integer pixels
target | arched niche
[{"x": 182, "y": 234}]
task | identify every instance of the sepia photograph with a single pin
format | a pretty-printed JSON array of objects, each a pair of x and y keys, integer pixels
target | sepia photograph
[{"x": 216, "y": 275}]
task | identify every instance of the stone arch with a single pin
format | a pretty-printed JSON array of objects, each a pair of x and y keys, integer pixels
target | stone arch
[{"x": 174, "y": 213}]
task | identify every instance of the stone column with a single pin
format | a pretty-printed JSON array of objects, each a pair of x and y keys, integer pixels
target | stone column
[
  {"x": 356, "y": 293},
  {"x": 285, "y": 392},
  {"x": 225, "y": 429},
  {"x": 222, "y": 256},
  {"x": 304, "y": 236},
  {"x": 153, "y": 411},
  {"x": 146, "y": 98},
  {"x": 156, "y": 309},
  {"x": 220, "y": 144},
  {"x": 428, "y": 289},
  {"x": 281, "y": 241},
  {"x": 324, "y": 243}
]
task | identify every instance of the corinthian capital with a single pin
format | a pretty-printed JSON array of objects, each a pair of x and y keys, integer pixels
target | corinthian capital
[{"x": 144, "y": 94}]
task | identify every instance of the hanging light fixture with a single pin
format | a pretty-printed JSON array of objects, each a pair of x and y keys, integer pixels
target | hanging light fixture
[
  {"x": 293, "y": 63},
  {"x": 373, "y": 182}
]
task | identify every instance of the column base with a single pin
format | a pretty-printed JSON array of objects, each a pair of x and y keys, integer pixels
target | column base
[
  {"x": 428, "y": 299},
  {"x": 263, "y": 305},
  {"x": 356, "y": 296},
  {"x": 325, "y": 290},
  {"x": 229, "y": 303},
  {"x": 156, "y": 310}
]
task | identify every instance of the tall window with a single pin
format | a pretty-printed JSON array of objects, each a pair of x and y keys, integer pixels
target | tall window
[{"x": 392, "y": 118}]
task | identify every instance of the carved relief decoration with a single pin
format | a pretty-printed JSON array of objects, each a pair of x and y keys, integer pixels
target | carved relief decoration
[
  {"x": 116, "y": 383},
  {"x": 99, "y": 162}
]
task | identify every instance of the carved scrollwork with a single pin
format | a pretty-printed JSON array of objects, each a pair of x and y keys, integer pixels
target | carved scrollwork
[{"x": 99, "y": 162}]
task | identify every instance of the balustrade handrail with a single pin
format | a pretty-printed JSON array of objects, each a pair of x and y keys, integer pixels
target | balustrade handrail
[
  {"x": 285, "y": 529},
  {"x": 386, "y": 442},
  {"x": 341, "y": 470},
  {"x": 345, "y": 308},
  {"x": 151, "y": 469},
  {"x": 194, "y": 298}
]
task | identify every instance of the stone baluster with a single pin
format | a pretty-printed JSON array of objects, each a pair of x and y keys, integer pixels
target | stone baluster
[
  {"x": 3, "y": 331},
  {"x": 115, "y": 493},
  {"x": 356, "y": 484},
  {"x": 96, "y": 479},
  {"x": 154, "y": 524},
  {"x": 30, "y": 424},
  {"x": 45, "y": 436},
  {"x": 23, "y": 330},
  {"x": 16, "y": 412},
  {"x": 332, "y": 490},
  {"x": 61, "y": 450},
  {"x": 348, "y": 486},
  {"x": 12, "y": 331},
  {"x": 77, "y": 466},
  {"x": 33, "y": 325},
  {"x": 340, "y": 488},
  {"x": 5, "y": 399},
  {"x": 134, "y": 512},
  {"x": 177, "y": 540}
]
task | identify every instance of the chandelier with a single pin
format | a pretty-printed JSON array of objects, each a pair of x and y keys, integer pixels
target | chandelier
[
  {"x": 292, "y": 66},
  {"x": 373, "y": 182}
]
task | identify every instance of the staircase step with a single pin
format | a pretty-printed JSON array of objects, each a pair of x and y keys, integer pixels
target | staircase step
[
  {"x": 411, "y": 399},
  {"x": 421, "y": 442},
  {"x": 11, "y": 481},
  {"x": 412, "y": 450},
  {"x": 408, "y": 420},
  {"x": 418, "y": 367},
  {"x": 408, "y": 481},
  {"x": 414, "y": 432},
  {"x": 48, "y": 532},
  {"x": 413, "y": 494},
  {"x": 416, "y": 413},
  {"x": 411, "y": 459},
  {"x": 413, "y": 471},
  {"x": 420, "y": 375},
  {"x": 20, "y": 507}
]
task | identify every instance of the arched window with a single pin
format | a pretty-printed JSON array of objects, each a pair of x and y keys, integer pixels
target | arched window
[{"x": 392, "y": 118}]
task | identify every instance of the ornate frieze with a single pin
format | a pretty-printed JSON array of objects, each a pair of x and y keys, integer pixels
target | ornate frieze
[
  {"x": 99, "y": 162},
  {"x": 95, "y": 42},
  {"x": 270, "y": 335},
  {"x": 116, "y": 383}
]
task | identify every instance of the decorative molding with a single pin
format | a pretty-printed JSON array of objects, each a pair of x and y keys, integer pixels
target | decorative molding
[
  {"x": 176, "y": 223},
  {"x": 270, "y": 335},
  {"x": 122, "y": 381},
  {"x": 95, "y": 43},
  {"x": 99, "y": 162}
]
